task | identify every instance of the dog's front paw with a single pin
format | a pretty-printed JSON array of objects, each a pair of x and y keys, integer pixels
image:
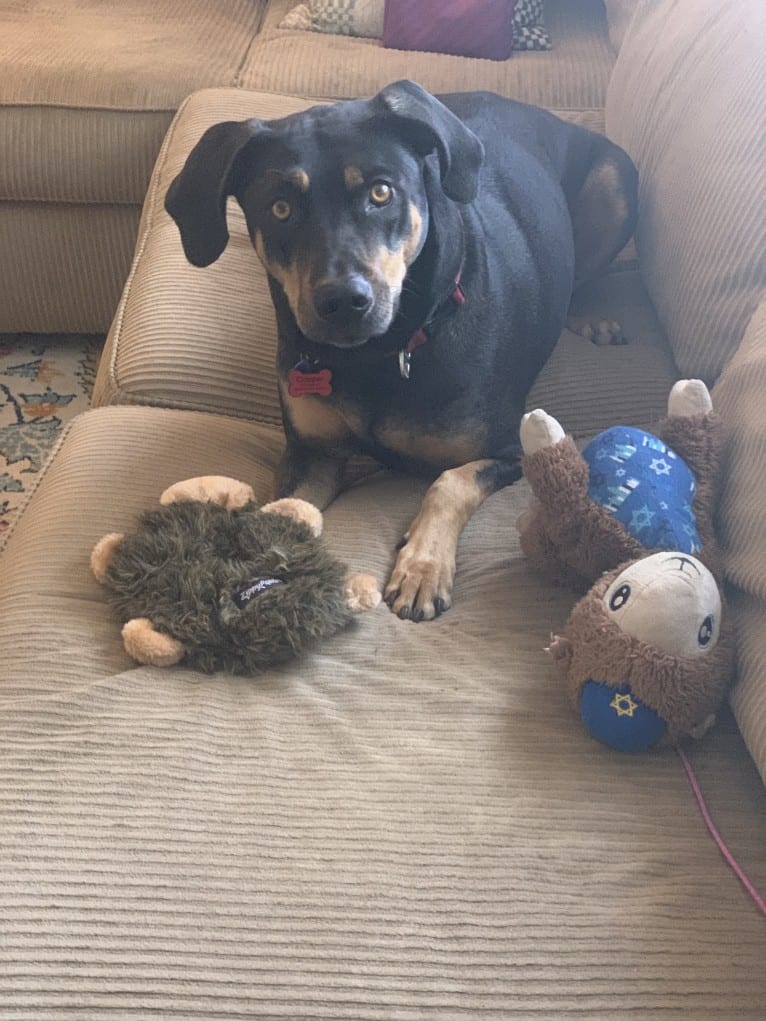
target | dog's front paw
[{"x": 421, "y": 582}]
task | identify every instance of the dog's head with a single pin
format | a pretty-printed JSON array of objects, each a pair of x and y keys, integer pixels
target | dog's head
[{"x": 335, "y": 201}]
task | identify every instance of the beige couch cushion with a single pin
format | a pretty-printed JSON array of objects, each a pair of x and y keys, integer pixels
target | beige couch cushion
[
  {"x": 87, "y": 89},
  {"x": 205, "y": 339},
  {"x": 687, "y": 101},
  {"x": 409, "y": 824},
  {"x": 572, "y": 76},
  {"x": 740, "y": 397},
  {"x": 65, "y": 266},
  {"x": 618, "y": 16}
]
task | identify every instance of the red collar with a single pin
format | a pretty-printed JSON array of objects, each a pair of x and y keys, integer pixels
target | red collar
[{"x": 420, "y": 337}]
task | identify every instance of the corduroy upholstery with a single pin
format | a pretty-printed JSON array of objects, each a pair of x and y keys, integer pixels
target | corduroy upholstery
[
  {"x": 688, "y": 106},
  {"x": 411, "y": 823}
]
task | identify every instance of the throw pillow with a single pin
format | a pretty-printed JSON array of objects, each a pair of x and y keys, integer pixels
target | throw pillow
[
  {"x": 365, "y": 18},
  {"x": 338, "y": 17},
  {"x": 465, "y": 28}
]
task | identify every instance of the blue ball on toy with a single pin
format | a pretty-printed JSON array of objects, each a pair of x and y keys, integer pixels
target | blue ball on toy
[
  {"x": 646, "y": 485},
  {"x": 616, "y": 717}
]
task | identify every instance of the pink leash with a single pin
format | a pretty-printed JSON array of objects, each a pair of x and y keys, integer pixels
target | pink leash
[{"x": 732, "y": 861}]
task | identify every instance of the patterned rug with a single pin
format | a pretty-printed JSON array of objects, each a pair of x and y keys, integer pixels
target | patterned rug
[{"x": 44, "y": 382}]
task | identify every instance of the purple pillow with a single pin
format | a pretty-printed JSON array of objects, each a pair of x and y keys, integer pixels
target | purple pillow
[{"x": 467, "y": 28}]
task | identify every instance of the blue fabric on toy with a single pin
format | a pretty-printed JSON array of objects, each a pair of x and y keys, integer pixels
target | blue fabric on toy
[
  {"x": 646, "y": 486},
  {"x": 616, "y": 717}
]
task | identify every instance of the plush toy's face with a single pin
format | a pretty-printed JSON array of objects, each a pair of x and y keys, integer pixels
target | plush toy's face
[
  {"x": 668, "y": 600},
  {"x": 646, "y": 654}
]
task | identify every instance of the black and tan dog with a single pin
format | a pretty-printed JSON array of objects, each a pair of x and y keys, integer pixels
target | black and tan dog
[{"x": 421, "y": 254}]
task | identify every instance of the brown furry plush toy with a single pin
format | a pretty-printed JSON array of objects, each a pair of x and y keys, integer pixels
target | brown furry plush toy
[
  {"x": 210, "y": 579},
  {"x": 648, "y": 652}
]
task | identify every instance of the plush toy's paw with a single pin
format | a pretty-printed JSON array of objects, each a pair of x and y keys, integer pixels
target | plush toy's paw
[
  {"x": 298, "y": 510},
  {"x": 153, "y": 648},
  {"x": 539, "y": 430},
  {"x": 102, "y": 554},
  {"x": 560, "y": 650},
  {"x": 689, "y": 397},
  {"x": 361, "y": 593},
  {"x": 209, "y": 489}
]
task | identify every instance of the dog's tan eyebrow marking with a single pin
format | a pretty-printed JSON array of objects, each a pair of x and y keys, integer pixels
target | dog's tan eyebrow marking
[
  {"x": 411, "y": 243},
  {"x": 299, "y": 178},
  {"x": 353, "y": 177}
]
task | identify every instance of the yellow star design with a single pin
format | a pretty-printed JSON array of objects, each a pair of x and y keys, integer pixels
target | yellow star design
[{"x": 623, "y": 705}]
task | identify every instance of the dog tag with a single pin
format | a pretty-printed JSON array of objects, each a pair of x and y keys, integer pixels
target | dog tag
[
  {"x": 405, "y": 360},
  {"x": 303, "y": 380}
]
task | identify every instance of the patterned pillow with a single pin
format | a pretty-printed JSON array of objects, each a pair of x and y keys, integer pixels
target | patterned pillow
[
  {"x": 338, "y": 17},
  {"x": 365, "y": 18}
]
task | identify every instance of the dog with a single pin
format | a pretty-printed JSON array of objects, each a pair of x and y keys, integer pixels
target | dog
[{"x": 421, "y": 253}]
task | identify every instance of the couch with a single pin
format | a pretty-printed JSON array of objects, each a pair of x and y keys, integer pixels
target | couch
[{"x": 409, "y": 823}]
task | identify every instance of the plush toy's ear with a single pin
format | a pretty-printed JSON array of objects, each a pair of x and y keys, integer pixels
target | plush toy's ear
[
  {"x": 432, "y": 126},
  {"x": 148, "y": 646},
  {"x": 218, "y": 489},
  {"x": 298, "y": 510},
  {"x": 102, "y": 554},
  {"x": 361, "y": 593}
]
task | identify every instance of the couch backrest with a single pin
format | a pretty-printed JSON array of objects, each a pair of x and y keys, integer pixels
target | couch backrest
[{"x": 688, "y": 101}]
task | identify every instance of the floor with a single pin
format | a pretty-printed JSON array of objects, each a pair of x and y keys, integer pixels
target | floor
[{"x": 44, "y": 382}]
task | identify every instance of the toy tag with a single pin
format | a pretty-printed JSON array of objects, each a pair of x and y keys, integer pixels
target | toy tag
[
  {"x": 302, "y": 380},
  {"x": 254, "y": 588}
]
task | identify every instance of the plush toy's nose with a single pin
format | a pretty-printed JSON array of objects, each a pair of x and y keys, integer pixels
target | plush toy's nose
[{"x": 616, "y": 717}]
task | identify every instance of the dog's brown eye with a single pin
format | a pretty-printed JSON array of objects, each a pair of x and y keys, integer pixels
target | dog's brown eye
[
  {"x": 281, "y": 209},
  {"x": 381, "y": 193}
]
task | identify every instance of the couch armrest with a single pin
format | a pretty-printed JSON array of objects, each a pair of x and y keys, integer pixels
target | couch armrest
[
  {"x": 686, "y": 101},
  {"x": 740, "y": 397}
]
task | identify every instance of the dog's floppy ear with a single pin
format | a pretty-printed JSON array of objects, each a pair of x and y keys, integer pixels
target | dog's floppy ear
[
  {"x": 197, "y": 197},
  {"x": 433, "y": 126}
]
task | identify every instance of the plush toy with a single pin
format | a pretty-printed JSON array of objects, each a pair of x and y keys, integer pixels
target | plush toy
[
  {"x": 211, "y": 579},
  {"x": 647, "y": 653}
]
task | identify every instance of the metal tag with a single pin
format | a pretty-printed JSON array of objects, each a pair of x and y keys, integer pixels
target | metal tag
[{"x": 404, "y": 364}]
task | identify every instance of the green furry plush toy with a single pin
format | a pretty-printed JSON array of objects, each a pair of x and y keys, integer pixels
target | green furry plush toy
[{"x": 211, "y": 579}]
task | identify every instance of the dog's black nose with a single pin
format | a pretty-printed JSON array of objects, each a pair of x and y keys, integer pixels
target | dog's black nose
[{"x": 343, "y": 302}]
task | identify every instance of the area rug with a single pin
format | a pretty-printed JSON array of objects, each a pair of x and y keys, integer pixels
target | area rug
[{"x": 44, "y": 382}]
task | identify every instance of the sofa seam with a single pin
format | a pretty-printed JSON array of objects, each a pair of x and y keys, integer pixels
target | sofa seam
[
  {"x": 126, "y": 400},
  {"x": 249, "y": 48},
  {"x": 142, "y": 240},
  {"x": 120, "y": 203}
]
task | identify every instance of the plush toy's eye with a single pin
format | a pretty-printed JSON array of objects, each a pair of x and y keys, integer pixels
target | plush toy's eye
[
  {"x": 705, "y": 632},
  {"x": 381, "y": 193},
  {"x": 281, "y": 209},
  {"x": 619, "y": 597}
]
